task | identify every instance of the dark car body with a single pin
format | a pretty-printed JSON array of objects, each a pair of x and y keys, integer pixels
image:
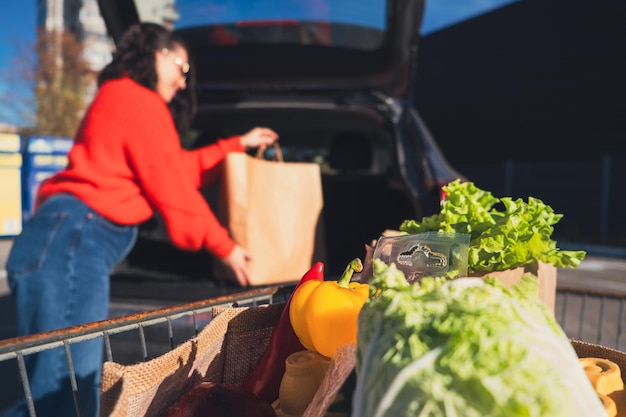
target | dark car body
[{"x": 334, "y": 79}]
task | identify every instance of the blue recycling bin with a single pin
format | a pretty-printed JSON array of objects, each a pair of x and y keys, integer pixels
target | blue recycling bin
[
  {"x": 43, "y": 157},
  {"x": 10, "y": 185}
]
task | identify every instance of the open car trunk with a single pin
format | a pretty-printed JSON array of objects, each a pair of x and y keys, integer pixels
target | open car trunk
[{"x": 334, "y": 79}]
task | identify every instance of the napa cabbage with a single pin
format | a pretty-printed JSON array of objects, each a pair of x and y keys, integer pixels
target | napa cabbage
[{"x": 464, "y": 348}]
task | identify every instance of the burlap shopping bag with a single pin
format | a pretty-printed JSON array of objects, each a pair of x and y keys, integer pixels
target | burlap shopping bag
[
  {"x": 616, "y": 404},
  {"x": 223, "y": 352},
  {"x": 274, "y": 210}
]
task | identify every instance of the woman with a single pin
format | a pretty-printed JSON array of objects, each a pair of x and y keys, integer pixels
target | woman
[{"x": 126, "y": 163}]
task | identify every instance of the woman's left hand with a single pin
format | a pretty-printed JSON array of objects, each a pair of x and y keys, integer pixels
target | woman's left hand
[{"x": 259, "y": 136}]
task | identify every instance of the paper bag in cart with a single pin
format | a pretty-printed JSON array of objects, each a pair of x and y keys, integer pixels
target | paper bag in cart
[{"x": 274, "y": 210}]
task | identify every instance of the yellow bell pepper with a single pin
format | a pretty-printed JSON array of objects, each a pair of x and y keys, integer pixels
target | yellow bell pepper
[{"x": 324, "y": 314}]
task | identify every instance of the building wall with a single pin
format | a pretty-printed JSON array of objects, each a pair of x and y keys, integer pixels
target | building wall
[
  {"x": 82, "y": 17},
  {"x": 98, "y": 45}
]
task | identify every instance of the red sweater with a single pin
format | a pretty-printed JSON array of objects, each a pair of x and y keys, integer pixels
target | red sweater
[{"x": 127, "y": 161}]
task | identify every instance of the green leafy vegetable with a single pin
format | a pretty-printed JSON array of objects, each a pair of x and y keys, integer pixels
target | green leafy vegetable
[
  {"x": 465, "y": 348},
  {"x": 519, "y": 234}
]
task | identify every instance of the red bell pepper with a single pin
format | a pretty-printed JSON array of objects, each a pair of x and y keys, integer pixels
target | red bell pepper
[{"x": 264, "y": 379}]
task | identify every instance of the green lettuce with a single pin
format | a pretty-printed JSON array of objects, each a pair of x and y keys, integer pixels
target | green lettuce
[
  {"x": 466, "y": 348},
  {"x": 519, "y": 233}
]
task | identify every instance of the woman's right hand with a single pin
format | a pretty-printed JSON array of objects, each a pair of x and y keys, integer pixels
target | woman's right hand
[
  {"x": 259, "y": 136},
  {"x": 237, "y": 261}
]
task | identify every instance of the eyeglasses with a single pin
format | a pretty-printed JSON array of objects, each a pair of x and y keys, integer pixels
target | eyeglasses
[{"x": 184, "y": 66}]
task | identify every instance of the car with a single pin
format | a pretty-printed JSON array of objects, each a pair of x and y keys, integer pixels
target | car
[{"x": 334, "y": 78}]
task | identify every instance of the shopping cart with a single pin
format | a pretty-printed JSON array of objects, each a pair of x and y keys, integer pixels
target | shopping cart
[
  {"x": 127, "y": 339},
  {"x": 585, "y": 315}
]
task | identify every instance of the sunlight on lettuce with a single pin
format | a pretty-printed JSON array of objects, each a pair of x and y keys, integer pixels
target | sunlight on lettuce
[{"x": 505, "y": 233}]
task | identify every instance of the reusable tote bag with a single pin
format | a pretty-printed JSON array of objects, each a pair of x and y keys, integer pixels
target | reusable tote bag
[{"x": 274, "y": 210}]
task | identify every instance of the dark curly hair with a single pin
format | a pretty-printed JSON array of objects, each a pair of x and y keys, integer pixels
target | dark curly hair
[{"x": 134, "y": 57}]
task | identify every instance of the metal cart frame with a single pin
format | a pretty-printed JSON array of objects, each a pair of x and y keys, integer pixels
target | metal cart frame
[{"x": 198, "y": 312}]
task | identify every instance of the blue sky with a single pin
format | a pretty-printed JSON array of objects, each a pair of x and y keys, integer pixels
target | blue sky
[
  {"x": 17, "y": 21},
  {"x": 19, "y": 17},
  {"x": 442, "y": 13}
]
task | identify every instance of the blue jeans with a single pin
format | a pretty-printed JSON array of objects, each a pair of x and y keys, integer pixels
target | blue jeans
[{"x": 58, "y": 271}]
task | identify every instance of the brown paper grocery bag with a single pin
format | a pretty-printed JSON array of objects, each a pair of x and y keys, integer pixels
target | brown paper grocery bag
[
  {"x": 546, "y": 275},
  {"x": 274, "y": 210}
]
